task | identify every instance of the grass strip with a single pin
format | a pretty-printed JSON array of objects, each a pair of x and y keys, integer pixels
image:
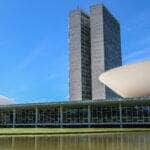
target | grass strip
[{"x": 49, "y": 131}]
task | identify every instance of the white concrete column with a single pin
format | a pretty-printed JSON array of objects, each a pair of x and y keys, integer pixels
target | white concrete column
[
  {"x": 14, "y": 117},
  {"x": 120, "y": 114},
  {"x": 89, "y": 116},
  {"x": 61, "y": 116},
  {"x": 36, "y": 116}
]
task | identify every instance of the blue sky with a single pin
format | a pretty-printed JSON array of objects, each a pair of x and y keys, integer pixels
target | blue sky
[{"x": 34, "y": 44}]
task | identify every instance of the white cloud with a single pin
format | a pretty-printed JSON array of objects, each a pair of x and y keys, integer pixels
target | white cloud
[{"x": 6, "y": 101}]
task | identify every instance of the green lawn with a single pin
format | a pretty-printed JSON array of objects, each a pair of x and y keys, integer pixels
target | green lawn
[{"x": 43, "y": 131}]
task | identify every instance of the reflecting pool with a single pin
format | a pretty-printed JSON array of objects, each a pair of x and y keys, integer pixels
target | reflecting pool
[{"x": 119, "y": 141}]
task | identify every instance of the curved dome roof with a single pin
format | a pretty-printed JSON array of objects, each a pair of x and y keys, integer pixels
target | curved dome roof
[
  {"x": 5, "y": 100},
  {"x": 129, "y": 80}
]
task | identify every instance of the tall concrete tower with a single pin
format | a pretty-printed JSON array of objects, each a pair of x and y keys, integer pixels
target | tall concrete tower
[
  {"x": 105, "y": 48},
  {"x": 94, "y": 47},
  {"x": 80, "y": 56}
]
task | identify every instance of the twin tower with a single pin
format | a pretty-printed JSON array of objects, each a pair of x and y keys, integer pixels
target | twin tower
[{"x": 95, "y": 47}]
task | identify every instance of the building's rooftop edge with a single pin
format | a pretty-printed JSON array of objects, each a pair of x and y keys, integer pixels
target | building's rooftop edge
[
  {"x": 107, "y": 9},
  {"x": 78, "y": 9},
  {"x": 102, "y": 101}
]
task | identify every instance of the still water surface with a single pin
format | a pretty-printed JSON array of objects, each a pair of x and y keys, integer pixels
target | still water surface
[{"x": 121, "y": 141}]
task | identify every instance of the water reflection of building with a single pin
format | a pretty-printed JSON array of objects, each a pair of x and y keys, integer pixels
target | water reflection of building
[{"x": 120, "y": 141}]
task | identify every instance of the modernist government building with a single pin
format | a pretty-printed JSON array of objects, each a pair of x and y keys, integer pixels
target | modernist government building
[{"x": 102, "y": 92}]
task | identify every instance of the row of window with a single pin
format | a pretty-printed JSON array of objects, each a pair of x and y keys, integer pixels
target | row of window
[{"x": 98, "y": 113}]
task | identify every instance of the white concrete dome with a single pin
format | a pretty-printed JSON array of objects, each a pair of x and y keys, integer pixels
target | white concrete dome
[
  {"x": 6, "y": 101},
  {"x": 129, "y": 80}
]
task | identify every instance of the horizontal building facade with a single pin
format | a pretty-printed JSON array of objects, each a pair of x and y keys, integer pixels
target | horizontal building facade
[{"x": 122, "y": 113}]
